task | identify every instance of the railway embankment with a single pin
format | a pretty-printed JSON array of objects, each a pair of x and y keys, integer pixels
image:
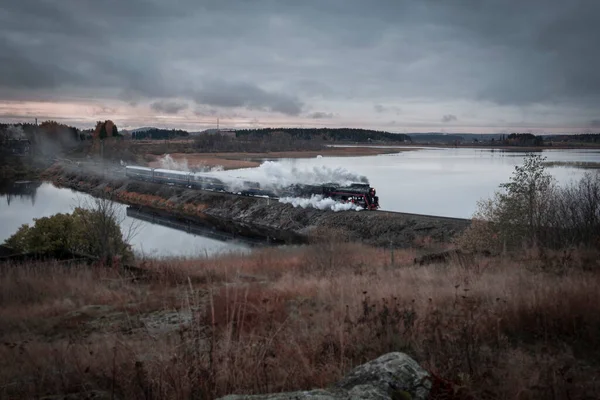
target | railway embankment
[{"x": 260, "y": 217}]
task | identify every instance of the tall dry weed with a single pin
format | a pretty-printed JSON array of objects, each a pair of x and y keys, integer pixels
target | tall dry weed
[{"x": 270, "y": 322}]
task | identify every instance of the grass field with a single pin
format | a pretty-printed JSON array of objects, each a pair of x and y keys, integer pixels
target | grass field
[{"x": 299, "y": 318}]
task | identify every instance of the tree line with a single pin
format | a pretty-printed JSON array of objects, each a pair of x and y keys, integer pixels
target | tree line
[
  {"x": 327, "y": 134},
  {"x": 160, "y": 134},
  {"x": 283, "y": 141}
]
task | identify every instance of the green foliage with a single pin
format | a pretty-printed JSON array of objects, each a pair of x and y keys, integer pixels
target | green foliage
[
  {"x": 115, "y": 131},
  {"x": 518, "y": 214},
  {"x": 103, "y": 134},
  {"x": 90, "y": 232},
  {"x": 522, "y": 209}
]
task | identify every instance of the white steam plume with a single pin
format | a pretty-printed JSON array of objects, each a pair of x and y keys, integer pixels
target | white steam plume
[
  {"x": 167, "y": 162},
  {"x": 274, "y": 175},
  {"x": 320, "y": 203}
]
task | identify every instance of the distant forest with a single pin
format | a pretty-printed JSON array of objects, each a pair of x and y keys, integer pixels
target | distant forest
[
  {"x": 583, "y": 138},
  {"x": 327, "y": 134},
  {"x": 163, "y": 134}
]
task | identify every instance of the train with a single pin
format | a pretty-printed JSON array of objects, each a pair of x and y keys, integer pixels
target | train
[{"x": 361, "y": 194}]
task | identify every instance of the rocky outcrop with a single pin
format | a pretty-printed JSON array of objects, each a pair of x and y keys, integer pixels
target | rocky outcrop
[{"x": 392, "y": 376}]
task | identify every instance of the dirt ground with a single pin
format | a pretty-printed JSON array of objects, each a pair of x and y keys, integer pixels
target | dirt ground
[{"x": 250, "y": 160}]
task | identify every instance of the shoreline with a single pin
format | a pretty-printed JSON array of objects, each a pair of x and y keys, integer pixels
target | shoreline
[
  {"x": 237, "y": 160},
  {"x": 506, "y": 148},
  {"x": 260, "y": 217}
]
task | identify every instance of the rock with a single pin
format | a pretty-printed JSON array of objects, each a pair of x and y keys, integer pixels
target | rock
[{"x": 393, "y": 376}]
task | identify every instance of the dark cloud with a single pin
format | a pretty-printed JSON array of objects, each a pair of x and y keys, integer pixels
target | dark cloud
[
  {"x": 384, "y": 109},
  {"x": 168, "y": 107},
  {"x": 206, "y": 112},
  {"x": 595, "y": 123},
  {"x": 285, "y": 56},
  {"x": 220, "y": 93},
  {"x": 449, "y": 118},
  {"x": 215, "y": 113},
  {"x": 321, "y": 115}
]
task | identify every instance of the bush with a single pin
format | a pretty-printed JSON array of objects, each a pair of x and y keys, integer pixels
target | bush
[
  {"x": 576, "y": 212},
  {"x": 533, "y": 211},
  {"x": 85, "y": 231}
]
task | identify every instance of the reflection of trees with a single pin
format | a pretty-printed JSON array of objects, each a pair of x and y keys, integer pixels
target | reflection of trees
[
  {"x": 197, "y": 227},
  {"x": 20, "y": 190}
]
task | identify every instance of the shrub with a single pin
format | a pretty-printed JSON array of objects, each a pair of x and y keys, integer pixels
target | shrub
[
  {"x": 94, "y": 232},
  {"x": 533, "y": 211}
]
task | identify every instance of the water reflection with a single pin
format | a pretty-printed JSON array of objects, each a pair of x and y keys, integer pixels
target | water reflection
[
  {"x": 21, "y": 190},
  {"x": 442, "y": 181},
  {"x": 22, "y": 203},
  {"x": 191, "y": 227}
]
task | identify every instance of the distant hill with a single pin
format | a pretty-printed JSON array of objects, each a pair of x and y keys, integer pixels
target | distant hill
[{"x": 144, "y": 129}]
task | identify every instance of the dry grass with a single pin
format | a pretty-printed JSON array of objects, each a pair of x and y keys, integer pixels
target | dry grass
[
  {"x": 196, "y": 160},
  {"x": 235, "y": 160},
  {"x": 299, "y": 318}
]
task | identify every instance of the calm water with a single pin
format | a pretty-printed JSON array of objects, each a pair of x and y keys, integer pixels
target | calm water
[
  {"x": 433, "y": 181},
  {"x": 439, "y": 181},
  {"x": 150, "y": 239}
]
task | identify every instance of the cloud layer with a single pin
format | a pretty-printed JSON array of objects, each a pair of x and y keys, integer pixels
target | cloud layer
[{"x": 484, "y": 64}]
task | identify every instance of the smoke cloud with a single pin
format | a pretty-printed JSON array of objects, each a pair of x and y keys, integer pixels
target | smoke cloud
[
  {"x": 319, "y": 203},
  {"x": 167, "y": 162},
  {"x": 274, "y": 175}
]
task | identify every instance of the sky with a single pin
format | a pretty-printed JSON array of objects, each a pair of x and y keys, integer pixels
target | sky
[{"x": 485, "y": 66}]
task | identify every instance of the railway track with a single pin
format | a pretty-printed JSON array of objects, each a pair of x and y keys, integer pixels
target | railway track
[
  {"x": 436, "y": 217},
  {"x": 120, "y": 173},
  {"x": 276, "y": 198}
]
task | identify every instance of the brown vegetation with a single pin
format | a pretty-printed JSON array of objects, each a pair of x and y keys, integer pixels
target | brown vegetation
[
  {"x": 533, "y": 210},
  {"x": 299, "y": 318},
  {"x": 203, "y": 160},
  {"x": 236, "y": 160}
]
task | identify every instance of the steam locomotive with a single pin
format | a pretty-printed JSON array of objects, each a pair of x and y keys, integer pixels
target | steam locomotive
[{"x": 360, "y": 194}]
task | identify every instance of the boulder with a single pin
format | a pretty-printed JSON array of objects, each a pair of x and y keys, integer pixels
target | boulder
[{"x": 392, "y": 376}]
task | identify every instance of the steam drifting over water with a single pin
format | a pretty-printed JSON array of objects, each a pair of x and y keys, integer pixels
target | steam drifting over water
[
  {"x": 320, "y": 203},
  {"x": 275, "y": 175}
]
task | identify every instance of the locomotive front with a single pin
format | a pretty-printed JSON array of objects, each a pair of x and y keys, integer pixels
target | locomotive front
[{"x": 373, "y": 199}]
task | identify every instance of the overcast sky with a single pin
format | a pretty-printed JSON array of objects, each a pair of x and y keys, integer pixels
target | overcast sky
[{"x": 402, "y": 66}]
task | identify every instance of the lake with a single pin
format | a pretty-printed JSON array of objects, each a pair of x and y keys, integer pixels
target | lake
[
  {"x": 435, "y": 181},
  {"x": 151, "y": 239}
]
